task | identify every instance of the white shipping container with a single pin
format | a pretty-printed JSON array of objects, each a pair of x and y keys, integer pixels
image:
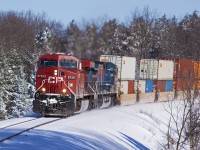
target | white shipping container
[
  {"x": 165, "y": 70},
  {"x": 126, "y": 65},
  {"x": 142, "y": 86},
  {"x": 124, "y": 87},
  {"x": 154, "y": 69},
  {"x": 148, "y": 69}
]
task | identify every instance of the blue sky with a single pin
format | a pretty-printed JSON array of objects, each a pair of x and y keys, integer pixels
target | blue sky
[{"x": 66, "y": 10}]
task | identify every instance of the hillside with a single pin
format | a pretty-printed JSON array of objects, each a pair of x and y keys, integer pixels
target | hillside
[{"x": 139, "y": 126}]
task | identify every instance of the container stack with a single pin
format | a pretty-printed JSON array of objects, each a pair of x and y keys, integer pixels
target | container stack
[
  {"x": 156, "y": 74},
  {"x": 161, "y": 75},
  {"x": 126, "y": 71},
  {"x": 183, "y": 71}
]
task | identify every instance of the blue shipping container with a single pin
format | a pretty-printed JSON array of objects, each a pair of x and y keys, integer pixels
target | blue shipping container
[
  {"x": 149, "y": 86},
  {"x": 168, "y": 85}
]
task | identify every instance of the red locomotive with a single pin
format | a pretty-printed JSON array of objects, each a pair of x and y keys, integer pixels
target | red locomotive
[{"x": 66, "y": 85}]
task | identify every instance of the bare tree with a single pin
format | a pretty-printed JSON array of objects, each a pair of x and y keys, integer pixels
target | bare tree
[
  {"x": 184, "y": 124},
  {"x": 73, "y": 39},
  {"x": 106, "y": 36},
  {"x": 141, "y": 38},
  {"x": 89, "y": 40},
  {"x": 189, "y": 28}
]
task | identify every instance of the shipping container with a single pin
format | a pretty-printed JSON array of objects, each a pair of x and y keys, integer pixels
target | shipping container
[
  {"x": 149, "y": 86},
  {"x": 148, "y": 69},
  {"x": 197, "y": 69},
  {"x": 131, "y": 86},
  {"x": 126, "y": 65},
  {"x": 124, "y": 87},
  {"x": 197, "y": 74},
  {"x": 169, "y": 85},
  {"x": 196, "y": 84},
  {"x": 165, "y": 70},
  {"x": 160, "y": 84},
  {"x": 182, "y": 84},
  {"x": 127, "y": 87},
  {"x": 184, "y": 68},
  {"x": 154, "y": 69},
  {"x": 140, "y": 85}
]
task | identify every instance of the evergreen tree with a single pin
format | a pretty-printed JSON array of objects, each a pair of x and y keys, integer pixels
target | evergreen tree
[
  {"x": 43, "y": 46},
  {"x": 13, "y": 85},
  {"x": 2, "y": 86}
]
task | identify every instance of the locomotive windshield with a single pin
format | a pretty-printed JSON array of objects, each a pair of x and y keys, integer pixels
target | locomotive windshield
[
  {"x": 68, "y": 63},
  {"x": 48, "y": 63}
]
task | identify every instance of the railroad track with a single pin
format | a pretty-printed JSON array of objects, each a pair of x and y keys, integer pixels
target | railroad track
[
  {"x": 1, "y": 128},
  {"x": 14, "y": 130}
]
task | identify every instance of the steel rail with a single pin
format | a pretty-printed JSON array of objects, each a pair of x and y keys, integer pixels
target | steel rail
[{"x": 36, "y": 126}]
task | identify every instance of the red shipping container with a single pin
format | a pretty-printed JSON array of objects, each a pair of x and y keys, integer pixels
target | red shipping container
[
  {"x": 183, "y": 68},
  {"x": 160, "y": 85},
  {"x": 130, "y": 86},
  {"x": 182, "y": 84}
]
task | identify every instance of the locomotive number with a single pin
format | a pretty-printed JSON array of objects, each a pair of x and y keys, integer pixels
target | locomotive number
[
  {"x": 55, "y": 79},
  {"x": 71, "y": 77},
  {"x": 41, "y": 76}
]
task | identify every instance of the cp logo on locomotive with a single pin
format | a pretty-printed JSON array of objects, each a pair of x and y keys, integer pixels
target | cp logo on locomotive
[{"x": 55, "y": 79}]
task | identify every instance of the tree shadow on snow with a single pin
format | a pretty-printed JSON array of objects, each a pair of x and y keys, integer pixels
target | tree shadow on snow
[{"x": 74, "y": 140}]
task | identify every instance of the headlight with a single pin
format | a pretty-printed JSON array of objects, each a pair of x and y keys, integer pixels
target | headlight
[
  {"x": 43, "y": 89},
  {"x": 55, "y": 72},
  {"x": 64, "y": 90}
]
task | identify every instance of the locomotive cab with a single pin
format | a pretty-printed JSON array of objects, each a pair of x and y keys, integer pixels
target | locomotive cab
[{"x": 56, "y": 80}]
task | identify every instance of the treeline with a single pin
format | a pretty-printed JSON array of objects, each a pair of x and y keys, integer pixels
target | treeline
[{"x": 24, "y": 36}]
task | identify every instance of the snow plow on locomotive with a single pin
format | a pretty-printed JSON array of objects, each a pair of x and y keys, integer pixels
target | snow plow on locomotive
[{"x": 66, "y": 85}]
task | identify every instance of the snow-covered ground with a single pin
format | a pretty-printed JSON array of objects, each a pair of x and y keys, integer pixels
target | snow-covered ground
[{"x": 139, "y": 126}]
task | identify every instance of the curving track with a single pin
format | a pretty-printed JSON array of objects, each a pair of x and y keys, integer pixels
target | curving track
[
  {"x": 10, "y": 125},
  {"x": 16, "y": 129}
]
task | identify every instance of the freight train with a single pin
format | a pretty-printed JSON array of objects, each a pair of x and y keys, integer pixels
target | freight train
[{"x": 66, "y": 85}]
